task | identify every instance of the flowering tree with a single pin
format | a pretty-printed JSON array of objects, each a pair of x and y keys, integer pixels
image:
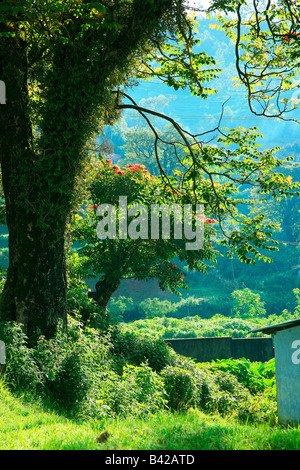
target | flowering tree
[{"x": 111, "y": 260}]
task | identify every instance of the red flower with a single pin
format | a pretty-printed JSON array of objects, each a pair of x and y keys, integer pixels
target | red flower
[
  {"x": 93, "y": 206},
  {"x": 287, "y": 37},
  {"x": 181, "y": 277},
  {"x": 210, "y": 221},
  {"x": 110, "y": 161}
]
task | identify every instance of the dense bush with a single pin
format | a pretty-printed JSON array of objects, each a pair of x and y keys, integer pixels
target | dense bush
[
  {"x": 216, "y": 388},
  {"x": 181, "y": 388},
  {"x": 129, "y": 347},
  {"x": 191, "y": 327},
  {"x": 21, "y": 370},
  {"x": 80, "y": 305},
  {"x": 86, "y": 372},
  {"x": 255, "y": 376}
]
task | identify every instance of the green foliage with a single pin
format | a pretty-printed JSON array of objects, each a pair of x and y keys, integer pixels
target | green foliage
[
  {"x": 117, "y": 307},
  {"x": 80, "y": 305},
  {"x": 194, "y": 326},
  {"x": 269, "y": 43},
  {"x": 72, "y": 366},
  {"x": 181, "y": 388},
  {"x": 129, "y": 347},
  {"x": 256, "y": 381},
  {"x": 145, "y": 389},
  {"x": 226, "y": 387},
  {"x": 156, "y": 308},
  {"x": 247, "y": 304},
  {"x": 180, "y": 64},
  {"x": 138, "y": 256},
  {"x": 85, "y": 373},
  {"x": 255, "y": 376},
  {"x": 21, "y": 371}
]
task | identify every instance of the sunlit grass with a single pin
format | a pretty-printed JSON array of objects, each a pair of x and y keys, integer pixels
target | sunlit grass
[{"x": 27, "y": 426}]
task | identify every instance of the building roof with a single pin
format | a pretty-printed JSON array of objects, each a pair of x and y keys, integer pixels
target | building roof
[{"x": 269, "y": 330}]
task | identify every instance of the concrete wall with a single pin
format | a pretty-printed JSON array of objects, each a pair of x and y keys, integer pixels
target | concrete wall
[{"x": 224, "y": 347}]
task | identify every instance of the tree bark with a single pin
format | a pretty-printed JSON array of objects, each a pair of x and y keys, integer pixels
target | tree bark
[
  {"x": 35, "y": 290},
  {"x": 104, "y": 290},
  {"x": 34, "y": 294}
]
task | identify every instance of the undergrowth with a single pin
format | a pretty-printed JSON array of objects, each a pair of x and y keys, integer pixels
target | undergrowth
[{"x": 91, "y": 373}]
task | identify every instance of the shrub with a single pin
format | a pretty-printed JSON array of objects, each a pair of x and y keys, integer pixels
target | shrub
[
  {"x": 247, "y": 304},
  {"x": 227, "y": 395},
  {"x": 255, "y": 376},
  {"x": 134, "y": 349},
  {"x": 63, "y": 369},
  {"x": 260, "y": 408},
  {"x": 81, "y": 306},
  {"x": 152, "y": 308},
  {"x": 21, "y": 370},
  {"x": 146, "y": 389},
  {"x": 138, "y": 392},
  {"x": 118, "y": 305},
  {"x": 181, "y": 388},
  {"x": 71, "y": 364}
]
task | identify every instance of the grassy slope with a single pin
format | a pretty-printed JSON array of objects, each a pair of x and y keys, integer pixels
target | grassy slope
[{"x": 26, "y": 426}]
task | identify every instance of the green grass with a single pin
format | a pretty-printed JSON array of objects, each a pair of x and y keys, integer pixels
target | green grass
[{"x": 26, "y": 425}]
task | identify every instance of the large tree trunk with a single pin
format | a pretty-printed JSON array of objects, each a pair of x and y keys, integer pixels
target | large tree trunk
[
  {"x": 34, "y": 294},
  {"x": 35, "y": 291}
]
